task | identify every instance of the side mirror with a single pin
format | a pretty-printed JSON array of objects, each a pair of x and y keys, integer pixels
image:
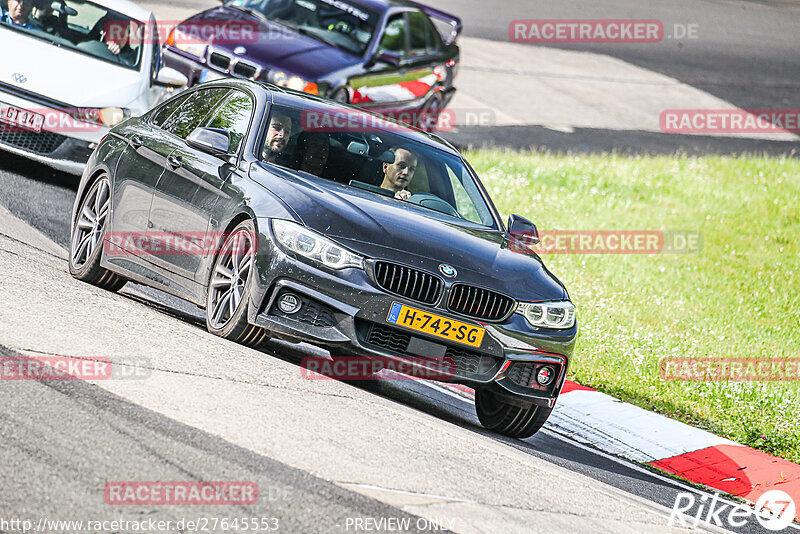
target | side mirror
[
  {"x": 169, "y": 77},
  {"x": 521, "y": 229},
  {"x": 392, "y": 58},
  {"x": 214, "y": 141}
]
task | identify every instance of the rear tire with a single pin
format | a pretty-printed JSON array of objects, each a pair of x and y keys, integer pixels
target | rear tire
[
  {"x": 88, "y": 233},
  {"x": 230, "y": 286},
  {"x": 508, "y": 419}
]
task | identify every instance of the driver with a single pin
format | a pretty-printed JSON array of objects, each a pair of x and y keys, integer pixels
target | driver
[
  {"x": 278, "y": 132},
  {"x": 118, "y": 39},
  {"x": 397, "y": 175},
  {"x": 18, "y": 13}
]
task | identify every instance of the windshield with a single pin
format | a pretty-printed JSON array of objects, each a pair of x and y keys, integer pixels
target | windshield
[
  {"x": 335, "y": 22},
  {"x": 365, "y": 152},
  {"x": 83, "y": 26}
]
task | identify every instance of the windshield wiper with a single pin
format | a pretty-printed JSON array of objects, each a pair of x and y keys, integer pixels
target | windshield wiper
[
  {"x": 314, "y": 35},
  {"x": 249, "y": 10}
]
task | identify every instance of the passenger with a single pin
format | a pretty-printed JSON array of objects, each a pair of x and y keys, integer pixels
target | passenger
[
  {"x": 312, "y": 152},
  {"x": 118, "y": 38},
  {"x": 280, "y": 128},
  {"x": 18, "y": 13},
  {"x": 398, "y": 175}
]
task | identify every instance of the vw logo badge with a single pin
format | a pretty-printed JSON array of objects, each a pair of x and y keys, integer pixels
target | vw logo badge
[
  {"x": 19, "y": 77},
  {"x": 239, "y": 50},
  {"x": 447, "y": 270}
]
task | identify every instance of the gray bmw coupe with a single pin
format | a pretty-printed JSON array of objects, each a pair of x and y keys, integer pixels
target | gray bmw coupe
[{"x": 291, "y": 216}]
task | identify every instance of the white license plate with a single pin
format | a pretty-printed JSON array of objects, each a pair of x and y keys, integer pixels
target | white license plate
[{"x": 23, "y": 118}]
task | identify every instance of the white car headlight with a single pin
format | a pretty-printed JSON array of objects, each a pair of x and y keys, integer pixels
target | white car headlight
[
  {"x": 193, "y": 49},
  {"x": 548, "y": 314},
  {"x": 314, "y": 246},
  {"x": 103, "y": 116}
]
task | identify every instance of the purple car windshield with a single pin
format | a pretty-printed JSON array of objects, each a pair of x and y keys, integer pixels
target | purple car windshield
[{"x": 336, "y": 22}]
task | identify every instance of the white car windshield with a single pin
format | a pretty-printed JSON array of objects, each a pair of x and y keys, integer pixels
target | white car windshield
[{"x": 85, "y": 27}]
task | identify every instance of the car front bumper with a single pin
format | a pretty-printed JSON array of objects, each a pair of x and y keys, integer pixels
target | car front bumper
[
  {"x": 64, "y": 143},
  {"x": 345, "y": 311}
]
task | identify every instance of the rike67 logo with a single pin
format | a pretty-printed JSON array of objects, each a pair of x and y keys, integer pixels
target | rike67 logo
[{"x": 775, "y": 510}]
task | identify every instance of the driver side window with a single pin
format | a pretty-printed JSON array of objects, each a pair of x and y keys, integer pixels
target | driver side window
[
  {"x": 394, "y": 36},
  {"x": 193, "y": 110}
]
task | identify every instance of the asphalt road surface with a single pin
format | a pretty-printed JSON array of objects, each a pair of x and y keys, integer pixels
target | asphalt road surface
[
  {"x": 62, "y": 441},
  {"x": 744, "y": 51}
]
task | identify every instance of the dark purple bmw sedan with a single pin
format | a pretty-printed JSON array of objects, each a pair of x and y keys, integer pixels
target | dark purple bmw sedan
[{"x": 394, "y": 57}]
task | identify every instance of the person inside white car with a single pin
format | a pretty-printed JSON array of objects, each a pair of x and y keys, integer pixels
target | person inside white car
[
  {"x": 117, "y": 38},
  {"x": 18, "y": 14}
]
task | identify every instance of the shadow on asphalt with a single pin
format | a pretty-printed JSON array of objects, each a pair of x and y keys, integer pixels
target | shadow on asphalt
[
  {"x": 417, "y": 395},
  {"x": 33, "y": 170}
]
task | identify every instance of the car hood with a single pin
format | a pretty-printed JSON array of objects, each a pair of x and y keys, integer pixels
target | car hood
[
  {"x": 384, "y": 228},
  {"x": 64, "y": 74},
  {"x": 275, "y": 46}
]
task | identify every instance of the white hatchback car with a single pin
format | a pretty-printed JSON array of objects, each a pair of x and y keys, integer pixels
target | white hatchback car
[{"x": 72, "y": 69}]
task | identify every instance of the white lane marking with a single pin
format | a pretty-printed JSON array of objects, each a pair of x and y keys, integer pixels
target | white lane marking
[
  {"x": 633, "y": 465},
  {"x": 620, "y": 428},
  {"x": 537, "y": 85},
  {"x": 625, "y": 429}
]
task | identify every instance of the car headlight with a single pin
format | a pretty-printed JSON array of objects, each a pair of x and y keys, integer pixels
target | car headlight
[
  {"x": 281, "y": 79},
  {"x": 186, "y": 43},
  {"x": 548, "y": 314},
  {"x": 109, "y": 116},
  {"x": 312, "y": 245}
]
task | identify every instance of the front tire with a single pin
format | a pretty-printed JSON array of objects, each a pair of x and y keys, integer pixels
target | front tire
[
  {"x": 508, "y": 419},
  {"x": 429, "y": 113},
  {"x": 88, "y": 232},
  {"x": 230, "y": 286}
]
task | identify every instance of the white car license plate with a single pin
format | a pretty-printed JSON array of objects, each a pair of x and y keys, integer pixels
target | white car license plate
[{"x": 21, "y": 117}]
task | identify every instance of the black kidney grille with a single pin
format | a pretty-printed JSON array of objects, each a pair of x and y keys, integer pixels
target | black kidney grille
[
  {"x": 411, "y": 283},
  {"x": 219, "y": 60},
  {"x": 245, "y": 69},
  {"x": 479, "y": 302}
]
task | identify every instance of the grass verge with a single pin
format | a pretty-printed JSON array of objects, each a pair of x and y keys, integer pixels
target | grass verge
[{"x": 739, "y": 296}]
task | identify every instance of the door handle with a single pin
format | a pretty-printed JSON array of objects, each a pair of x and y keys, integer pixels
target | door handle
[
  {"x": 175, "y": 161},
  {"x": 136, "y": 141}
]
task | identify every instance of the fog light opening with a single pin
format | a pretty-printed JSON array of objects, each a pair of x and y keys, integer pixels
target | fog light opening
[
  {"x": 289, "y": 303},
  {"x": 545, "y": 375}
]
